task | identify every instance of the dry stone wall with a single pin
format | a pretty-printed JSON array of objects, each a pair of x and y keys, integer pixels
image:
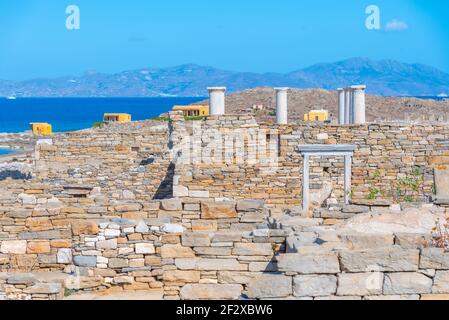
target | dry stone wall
[
  {"x": 392, "y": 163},
  {"x": 117, "y": 207}
]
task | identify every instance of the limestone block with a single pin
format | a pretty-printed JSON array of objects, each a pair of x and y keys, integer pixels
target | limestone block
[
  {"x": 360, "y": 284},
  {"x": 36, "y": 247},
  {"x": 210, "y": 264},
  {"x": 218, "y": 210},
  {"x": 314, "y": 285},
  {"x": 319, "y": 263},
  {"x": 407, "y": 283},
  {"x": 390, "y": 260},
  {"x": 434, "y": 258},
  {"x": 198, "y": 194},
  {"x": 441, "y": 282},
  {"x": 253, "y": 249},
  {"x": 250, "y": 205},
  {"x": 171, "y": 205},
  {"x": 204, "y": 225},
  {"x": 270, "y": 286},
  {"x": 106, "y": 244},
  {"x": 211, "y": 292},
  {"x": 176, "y": 251},
  {"x": 172, "y": 228},
  {"x": 180, "y": 191},
  {"x": 145, "y": 248},
  {"x": 196, "y": 239},
  {"x": 64, "y": 256},
  {"x": 84, "y": 227},
  {"x": 182, "y": 276},
  {"x": 44, "y": 288},
  {"x": 38, "y": 224},
  {"x": 27, "y": 198},
  {"x": 13, "y": 246},
  {"x": 117, "y": 263},
  {"x": 85, "y": 261}
]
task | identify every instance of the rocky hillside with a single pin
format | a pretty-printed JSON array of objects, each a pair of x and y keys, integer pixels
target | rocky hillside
[
  {"x": 302, "y": 101},
  {"x": 386, "y": 78}
]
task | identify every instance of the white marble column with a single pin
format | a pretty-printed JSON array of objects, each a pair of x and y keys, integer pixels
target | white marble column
[
  {"x": 348, "y": 102},
  {"x": 281, "y": 105},
  {"x": 217, "y": 100},
  {"x": 341, "y": 105},
  {"x": 359, "y": 107}
]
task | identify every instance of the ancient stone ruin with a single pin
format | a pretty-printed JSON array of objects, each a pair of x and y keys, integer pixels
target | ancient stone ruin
[{"x": 217, "y": 209}]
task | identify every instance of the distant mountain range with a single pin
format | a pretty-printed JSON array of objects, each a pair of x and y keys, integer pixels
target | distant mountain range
[{"x": 385, "y": 77}]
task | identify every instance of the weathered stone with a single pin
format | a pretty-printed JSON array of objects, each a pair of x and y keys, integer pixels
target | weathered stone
[
  {"x": 413, "y": 240},
  {"x": 39, "y": 224},
  {"x": 390, "y": 260},
  {"x": 198, "y": 194},
  {"x": 204, "y": 225},
  {"x": 128, "y": 207},
  {"x": 180, "y": 191},
  {"x": 263, "y": 266},
  {"x": 211, "y": 292},
  {"x": 176, "y": 251},
  {"x": 27, "y": 198},
  {"x": 84, "y": 227},
  {"x": 13, "y": 246},
  {"x": 355, "y": 209},
  {"x": 19, "y": 213},
  {"x": 360, "y": 241},
  {"x": 360, "y": 284},
  {"x": 434, "y": 258},
  {"x": 21, "y": 278},
  {"x": 117, "y": 263},
  {"x": 269, "y": 286},
  {"x": 182, "y": 276},
  {"x": 314, "y": 285},
  {"x": 145, "y": 248},
  {"x": 106, "y": 244},
  {"x": 407, "y": 283},
  {"x": 85, "y": 261},
  {"x": 253, "y": 249},
  {"x": 171, "y": 205},
  {"x": 210, "y": 264},
  {"x": 218, "y": 210},
  {"x": 441, "y": 282},
  {"x": 196, "y": 239},
  {"x": 213, "y": 251},
  {"x": 250, "y": 205},
  {"x": 320, "y": 263},
  {"x": 64, "y": 256},
  {"x": 35, "y": 247},
  {"x": 172, "y": 228},
  {"x": 236, "y": 277},
  {"x": 227, "y": 236},
  {"x": 142, "y": 227},
  {"x": 44, "y": 288}
]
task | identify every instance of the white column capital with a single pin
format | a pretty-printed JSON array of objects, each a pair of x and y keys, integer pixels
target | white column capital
[
  {"x": 282, "y": 89},
  {"x": 212, "y": 89},
  {"x": 358, "y": 88}
]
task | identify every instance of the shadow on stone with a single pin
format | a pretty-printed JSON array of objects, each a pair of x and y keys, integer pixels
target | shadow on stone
[{"x": 165, "y": 189}]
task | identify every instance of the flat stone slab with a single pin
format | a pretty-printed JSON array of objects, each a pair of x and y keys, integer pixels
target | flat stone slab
[
  {"x": 395, "y": 259},
  {"x": 211, "y": 292}
]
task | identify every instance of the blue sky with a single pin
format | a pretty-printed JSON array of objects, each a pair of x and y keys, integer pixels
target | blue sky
[{"x": 251, "y": 35}]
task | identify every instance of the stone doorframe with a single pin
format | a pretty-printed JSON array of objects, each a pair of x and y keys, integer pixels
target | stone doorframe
[{"x": 322, "y": 150}]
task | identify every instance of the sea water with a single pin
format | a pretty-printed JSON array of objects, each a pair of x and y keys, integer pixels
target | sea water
[{"x": 66, "y": 114}]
